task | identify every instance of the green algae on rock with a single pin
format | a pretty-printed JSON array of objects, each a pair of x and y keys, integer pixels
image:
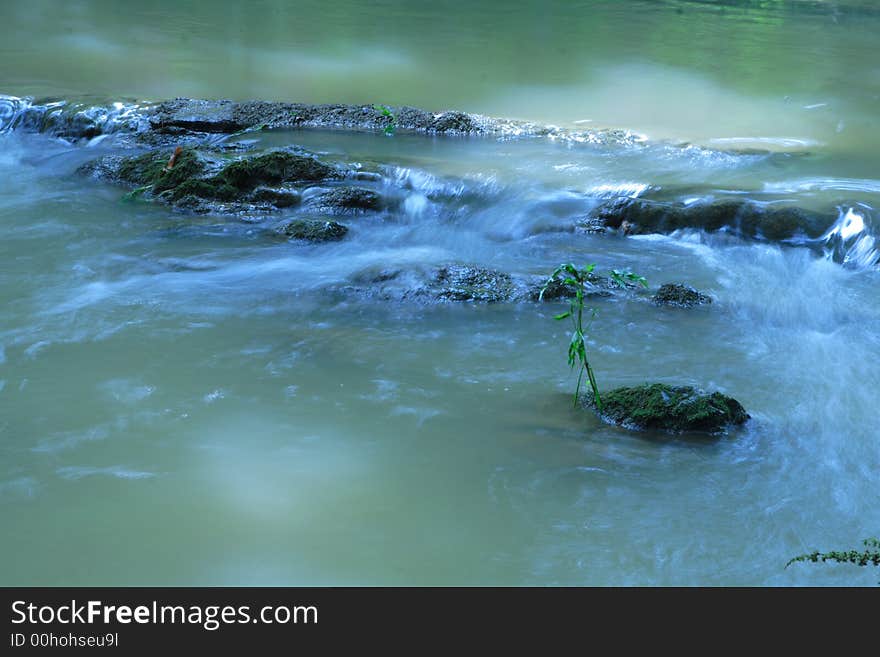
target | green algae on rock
[
  {"x": 274, "y": 168},
  {"x": 152, "y": 169},
  {"x": 673, "y": 409},
  {"x": 198, "y": 179}
]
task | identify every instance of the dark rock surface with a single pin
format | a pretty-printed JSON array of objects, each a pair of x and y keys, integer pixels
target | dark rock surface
[
  {"x": 680, "y": 295},
  {"x": 347, "y": 200},
  {"x": 746, "y": 218},
  {"x": 314, "y": 230}
]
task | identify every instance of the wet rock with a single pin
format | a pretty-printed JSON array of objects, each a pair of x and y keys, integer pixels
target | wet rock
[
  {"x": 597, "y": 286},
  {"x": 75, "y": 121},
  {"x": 593, "y": 225},
  {"x": 673, "y": 409},
  {"x": 467, "y": 283},
  {"x": 455, "y": 283},
  {"x": 205, "y": 182},
  {"x": 224, "y": 116},
  {"x": 347, "y": 200},
  {"x": 455, "y": 122},
  {"x": 274, "y": 168},
  {"x": 314, "y": 230},
  {"x": 680, "y": 295},
  {"x": 153, "y": 169},
  {"x": 742, "y": 217},
  {"x": 277, "y": 197}
]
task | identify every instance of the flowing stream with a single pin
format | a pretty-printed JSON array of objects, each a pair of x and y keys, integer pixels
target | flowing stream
[{"x": 186, "y": 401}]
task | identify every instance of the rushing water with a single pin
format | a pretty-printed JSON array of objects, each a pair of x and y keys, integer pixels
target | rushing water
[{"x": 182, "y": 401}]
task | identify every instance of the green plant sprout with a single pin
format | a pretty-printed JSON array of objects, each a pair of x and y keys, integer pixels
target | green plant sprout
[
  {"x": 390, "y": 127},
  {"x": 869, "y": 556},
  {"x": 570, "y": 277}
]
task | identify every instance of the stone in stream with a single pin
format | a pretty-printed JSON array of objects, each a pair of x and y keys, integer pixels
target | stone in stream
[
  {"x": 280, "y": 198},
  {"x": 672, "y": 409},
  {"x": 635, "y": 216},
  {"x": 555, "y": 289},
  {"x": 467, "y": 283},
  {"x": 680, "y": 295},
  {"x": 196, "y": 122},
  {"x": 314, "y": 230},
  {"x": 346, "y": 200},
  {"x": 224, "y": 116},
  {"x": 203, "y": 182}
]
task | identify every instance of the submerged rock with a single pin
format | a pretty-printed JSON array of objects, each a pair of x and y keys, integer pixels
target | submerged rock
[
  {"x": 673, "y": 409},
  {"x": 314, "y": 230},
  {"x": 680, "y": 295},
  {"x": 280, "y": 198},
  {"x": 347, "y": 200},
  {"x": 554, "y": 290},
  {"x": 747, "y": 218},
  {"x": 467, "y": 283}
]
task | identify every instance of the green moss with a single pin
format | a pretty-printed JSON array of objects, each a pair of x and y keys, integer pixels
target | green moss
[
  {"x": 209, "y": 188},
  {"x": 150, "y": 169},
  {"x": 274, "y": 168},
  {"x": 668, "y": 408},
  {"x": 187, "y": 176}
]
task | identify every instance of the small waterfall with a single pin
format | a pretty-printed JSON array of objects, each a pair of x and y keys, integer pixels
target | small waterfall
[
  {"x": 851, "y": 240},
  {"x": 11, "y": 109}
]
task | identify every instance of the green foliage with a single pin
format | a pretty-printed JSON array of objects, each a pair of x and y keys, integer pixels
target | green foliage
[
  {"x": 569, "y": 277},
  {"x": 869, "y": 556},
  {"x": 624, "y": 278},
  {"x": 386, "y": 112}
]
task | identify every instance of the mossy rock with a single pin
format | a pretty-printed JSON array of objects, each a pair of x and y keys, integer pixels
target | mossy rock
[
  {"x": 680, "y": 295},
  {"x": 314, "y": 230},
  {"x": 273, "y": 169},
  {"x": 152, "y": 169},
  {"x": 193, "y": 177},
  {"x": 208, "y": 188},
  {"x": 673, "y": 409},
  {"x": 347, "y": 199},
  {"x": 277, "y": 197}
]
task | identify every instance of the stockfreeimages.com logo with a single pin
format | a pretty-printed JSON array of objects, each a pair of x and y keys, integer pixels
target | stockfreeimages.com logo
[{"x": 210, "y": 617}]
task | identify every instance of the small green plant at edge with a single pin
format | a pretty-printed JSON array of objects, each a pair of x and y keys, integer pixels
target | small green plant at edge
[
  {"x": 869, "y": 556},
  {"x": 390, "y": 127},
  {"x": 571, "y": 277}
]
